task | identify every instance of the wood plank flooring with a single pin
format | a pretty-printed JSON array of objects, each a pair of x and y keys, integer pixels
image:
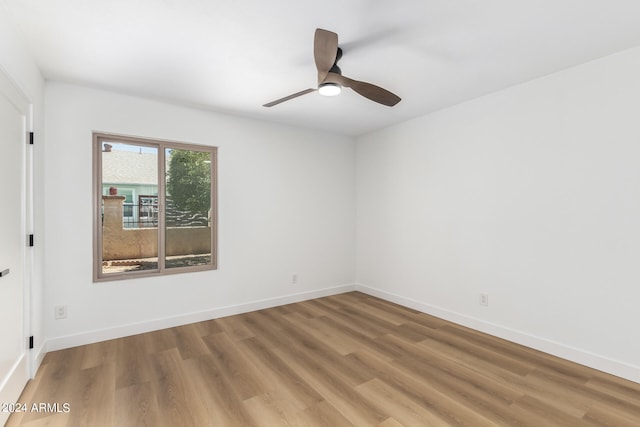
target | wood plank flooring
[{"x": 344, "y": 360}]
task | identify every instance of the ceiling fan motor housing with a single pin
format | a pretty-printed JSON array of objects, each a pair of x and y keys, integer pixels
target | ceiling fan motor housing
[{"x": 335, "y": 68}]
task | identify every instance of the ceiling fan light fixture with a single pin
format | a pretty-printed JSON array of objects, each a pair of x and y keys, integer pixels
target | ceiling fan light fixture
[{"x": 329, "y": 89}]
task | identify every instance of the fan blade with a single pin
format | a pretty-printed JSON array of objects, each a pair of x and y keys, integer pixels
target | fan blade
[
  {"x": 325, "y": 49},
  {"x": 286, "y": 98},
  {"x": 368, "y": 90}
]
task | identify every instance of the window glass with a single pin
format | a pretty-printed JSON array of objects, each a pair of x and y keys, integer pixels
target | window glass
[
  {"x": 188, "y": 213},
  {"x": 127, "y": 170}
]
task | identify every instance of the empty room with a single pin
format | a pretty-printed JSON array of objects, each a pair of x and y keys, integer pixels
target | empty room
[{"x": 422, "y": 213}]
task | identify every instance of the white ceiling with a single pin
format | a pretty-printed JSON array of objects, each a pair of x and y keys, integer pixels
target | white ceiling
[{"x": 234, "y": 56}]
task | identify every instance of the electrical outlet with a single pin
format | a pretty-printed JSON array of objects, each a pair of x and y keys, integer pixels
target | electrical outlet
[
  {"x": 294, "y": 278},
  {"x": 60, "y": 311},
  {"x": 484, "y": 299}
]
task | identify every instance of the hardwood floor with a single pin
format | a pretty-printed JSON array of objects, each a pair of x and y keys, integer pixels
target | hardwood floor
[{"x": 344, "y": 360}]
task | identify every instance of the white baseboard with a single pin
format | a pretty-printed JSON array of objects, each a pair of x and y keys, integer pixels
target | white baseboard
[
  {"x": 583, "y": 357},
  {"x": 89, "y": 337}
]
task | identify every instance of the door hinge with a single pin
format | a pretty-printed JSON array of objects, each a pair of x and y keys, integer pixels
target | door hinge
[
  {"x": 30, "y": 138},
  {"x": 30, "y": 239},
  {"x": 31, "y": 342}
]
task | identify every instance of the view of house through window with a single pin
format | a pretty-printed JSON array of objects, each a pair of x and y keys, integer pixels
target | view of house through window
[{"x": 155, "y": 207}]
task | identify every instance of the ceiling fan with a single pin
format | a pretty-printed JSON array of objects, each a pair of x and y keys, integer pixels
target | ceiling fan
[{"x": 330, "y": 79}]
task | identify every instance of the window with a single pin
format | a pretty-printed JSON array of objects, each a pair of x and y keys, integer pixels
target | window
[{"x": 154, "y": 207}]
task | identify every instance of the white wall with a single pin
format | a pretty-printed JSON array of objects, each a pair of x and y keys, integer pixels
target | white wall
[
  {"x": 531, "y": 195},
  {"x": 17, "y": 63},
  {"x": 286, "y": 204}
]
